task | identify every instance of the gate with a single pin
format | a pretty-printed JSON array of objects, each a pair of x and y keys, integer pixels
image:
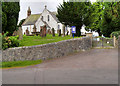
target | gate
[{"x": 102, "y": 42}]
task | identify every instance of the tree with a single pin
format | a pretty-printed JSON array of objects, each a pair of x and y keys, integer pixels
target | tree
[
  {"x": 111, "y": 18},
  {"x": 72, "y": 14},
  {"x": 10, "y": 12},
  {"x": 94, "y": 17},
  {"x": 21, "y": 22}
]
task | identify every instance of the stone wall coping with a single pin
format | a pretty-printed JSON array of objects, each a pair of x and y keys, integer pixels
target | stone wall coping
[{"x": 35, "y": 46}]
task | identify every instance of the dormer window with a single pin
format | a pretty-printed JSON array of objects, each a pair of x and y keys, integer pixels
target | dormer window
[
  {"x": 48, "y": 18},
  {"x": 42, "y": 18}
]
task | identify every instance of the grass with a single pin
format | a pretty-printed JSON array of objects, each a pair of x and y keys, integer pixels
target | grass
[
  {"x": 19, "y": 63},
  {"x": 37, "y": 40}
]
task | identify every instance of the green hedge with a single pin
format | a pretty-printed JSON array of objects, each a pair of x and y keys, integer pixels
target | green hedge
[{"x": 116, "y": 34}]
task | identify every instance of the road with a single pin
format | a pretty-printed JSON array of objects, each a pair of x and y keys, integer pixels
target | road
[{"x": 95, "y": 66}]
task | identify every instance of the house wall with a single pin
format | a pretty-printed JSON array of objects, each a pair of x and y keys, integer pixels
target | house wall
[
  {"x": 60, "y": 27},
  {"x": 38, "y": 24},
  {"x": 52, "y": 22},
  {"x": 68, "y": 28},
  {"x": 30, "y": 28},
  {"x": 46, "y": 51}
]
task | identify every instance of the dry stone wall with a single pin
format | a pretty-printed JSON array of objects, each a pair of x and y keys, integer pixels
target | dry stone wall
[{"x": 46, "y": 51}]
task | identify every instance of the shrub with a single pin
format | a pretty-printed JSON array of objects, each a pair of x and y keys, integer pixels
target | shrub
[
  {"x": 116, "y": 34},
  {"x": 8, "y": 42}
]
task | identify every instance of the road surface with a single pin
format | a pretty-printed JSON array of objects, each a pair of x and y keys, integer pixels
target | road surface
[{"x": 95, "y": 66}]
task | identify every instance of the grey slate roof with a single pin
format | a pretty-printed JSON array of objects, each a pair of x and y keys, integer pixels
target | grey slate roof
[{"x": 31, "y": 19}]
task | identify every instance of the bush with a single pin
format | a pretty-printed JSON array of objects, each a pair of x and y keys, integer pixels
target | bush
[
  {"x": 116, "y": 34},
  {"x": 8, "y": 42}
]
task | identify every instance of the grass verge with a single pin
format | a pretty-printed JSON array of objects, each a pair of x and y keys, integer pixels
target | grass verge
[
  {"x": 19, "y": 63},
  {"x": 37, "y": 40}
]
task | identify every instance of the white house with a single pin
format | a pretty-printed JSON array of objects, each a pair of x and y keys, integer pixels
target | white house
[{"x": 45, "y": 18}]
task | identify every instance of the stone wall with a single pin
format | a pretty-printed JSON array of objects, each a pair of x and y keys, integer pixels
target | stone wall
[{"x": 46, "y": 51}]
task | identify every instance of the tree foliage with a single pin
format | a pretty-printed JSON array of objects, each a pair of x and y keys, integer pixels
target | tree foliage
[
  {"x": 93, "y": 21},
  {"x": 101, "y": 17},
  {"x": 21, "y": 22},
  {"x": 111, "y": 18},
  {"x": 10, "y": 13},
  {"x": 72, "y": 14}
]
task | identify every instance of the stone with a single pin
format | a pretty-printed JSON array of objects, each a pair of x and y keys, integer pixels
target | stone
[
  {"x": 20, "y": 33},
  {"x": 47, "y": 51},
  {"x": 63, "y": 30},
  {"x": 43, "y": 31},
  {"x": 53, "y": 32},
  {"x": 59, "y": 32},
  {"x": 34, "y": 28},
  {"x": 27, "y": 32},
  {"x": 49, "y": 31}
]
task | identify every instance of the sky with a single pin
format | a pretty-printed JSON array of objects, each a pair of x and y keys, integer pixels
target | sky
[{"x": 37, "y": 6}]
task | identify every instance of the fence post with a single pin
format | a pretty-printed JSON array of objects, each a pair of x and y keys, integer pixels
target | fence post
[
  {"x": 114, "y": 41},
  {"x": 90, "y": 35},
  {"x": 70, "y": 32},
  {"x": 119, "y": 42}
]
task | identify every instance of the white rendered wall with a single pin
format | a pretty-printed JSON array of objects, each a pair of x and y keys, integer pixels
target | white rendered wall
[
  {"x": 52, "y": 22},
  {"x": 38, "y": 24},
  {"x": 30, "y": 29}
]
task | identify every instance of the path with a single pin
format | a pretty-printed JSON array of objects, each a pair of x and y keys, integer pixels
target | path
[{"x": 96, "y": 66}]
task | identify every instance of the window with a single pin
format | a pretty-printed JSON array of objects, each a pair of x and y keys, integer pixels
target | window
[
  {"x": 48, "y": 18},
  {"x": 42, "y": 18},
  {"x": 58, "y": 26}
]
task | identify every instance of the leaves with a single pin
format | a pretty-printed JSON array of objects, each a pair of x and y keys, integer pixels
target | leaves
[
  {"x": 10, "y": 12},
  {"x": 111, "y": 18},
  {"x": 73, "y": 14}
]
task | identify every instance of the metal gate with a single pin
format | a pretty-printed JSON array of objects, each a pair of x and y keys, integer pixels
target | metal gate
[{"x": 102, "y": 42}]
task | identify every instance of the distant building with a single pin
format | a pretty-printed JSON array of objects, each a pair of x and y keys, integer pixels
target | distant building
[{"x": 46, "y": 18}]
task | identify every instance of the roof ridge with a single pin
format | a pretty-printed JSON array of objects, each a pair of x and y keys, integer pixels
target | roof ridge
[{"x": 36, "y": 14}]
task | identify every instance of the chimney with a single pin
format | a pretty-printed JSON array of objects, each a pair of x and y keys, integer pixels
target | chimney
[
  {"x": 28, "y": 12},
  {"x": 45, "y": 6}
]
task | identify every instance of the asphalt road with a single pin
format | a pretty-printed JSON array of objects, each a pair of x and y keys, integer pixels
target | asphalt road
[{"x": 96, "y": 66}]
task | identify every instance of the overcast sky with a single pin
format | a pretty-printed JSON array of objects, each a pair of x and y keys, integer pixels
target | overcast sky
[{"x": 37, "y": 6}]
